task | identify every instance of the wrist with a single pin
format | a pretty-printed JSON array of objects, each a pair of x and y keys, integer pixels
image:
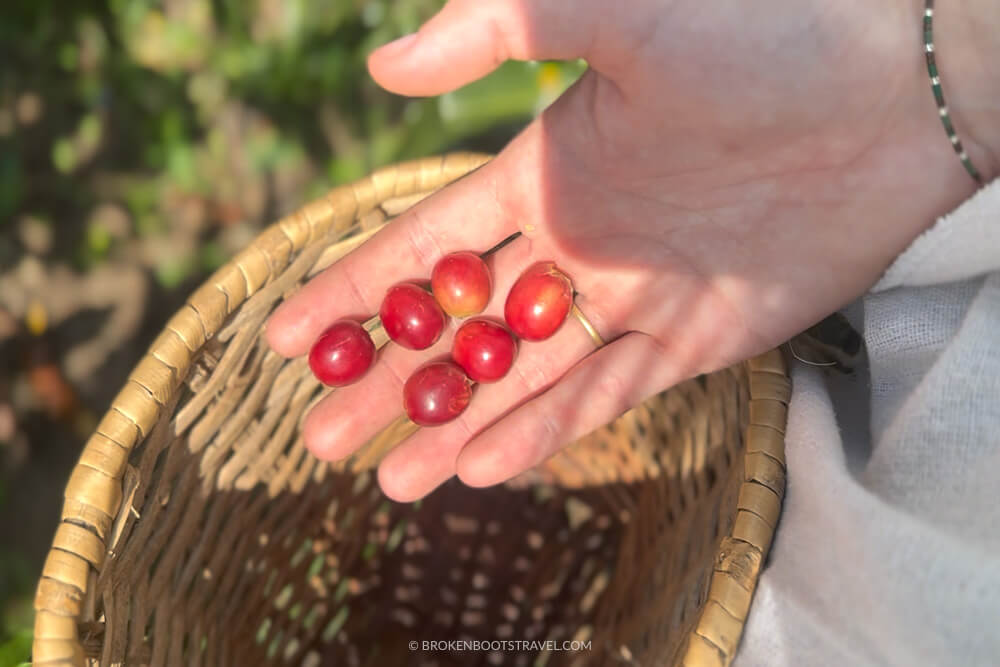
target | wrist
[{"x": 967, "y": 46}]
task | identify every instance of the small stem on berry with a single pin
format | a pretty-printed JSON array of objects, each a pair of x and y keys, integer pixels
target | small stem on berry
[{"x": 507, "y": 241}]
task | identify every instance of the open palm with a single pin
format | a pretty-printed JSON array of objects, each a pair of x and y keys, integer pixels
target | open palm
[{"x": 716, "y": 182}]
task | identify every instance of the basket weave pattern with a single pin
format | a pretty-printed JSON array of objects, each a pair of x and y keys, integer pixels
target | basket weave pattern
[{"x": 196, "y": 529}]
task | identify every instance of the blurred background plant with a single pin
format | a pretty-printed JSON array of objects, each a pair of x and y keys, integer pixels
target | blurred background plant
[{"x": 142, "y": 143}]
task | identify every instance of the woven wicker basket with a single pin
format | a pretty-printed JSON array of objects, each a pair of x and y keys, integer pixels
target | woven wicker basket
[{"x": 197, "y": 530}]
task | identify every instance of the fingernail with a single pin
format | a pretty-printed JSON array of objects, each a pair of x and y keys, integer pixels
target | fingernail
[{"x": 398, "y": 46}]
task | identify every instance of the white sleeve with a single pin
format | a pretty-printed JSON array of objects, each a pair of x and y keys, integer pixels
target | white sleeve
[{"x": 888, "y": 548}]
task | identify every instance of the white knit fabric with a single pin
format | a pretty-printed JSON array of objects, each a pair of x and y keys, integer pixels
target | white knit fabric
[{"x": 888, "y": 548}]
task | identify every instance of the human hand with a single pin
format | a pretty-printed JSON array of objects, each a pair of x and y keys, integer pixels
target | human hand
[{"x": 722, "y": 177}]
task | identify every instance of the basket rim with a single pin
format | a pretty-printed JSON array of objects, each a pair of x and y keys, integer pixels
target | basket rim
[{"x": 94, "y": 498}]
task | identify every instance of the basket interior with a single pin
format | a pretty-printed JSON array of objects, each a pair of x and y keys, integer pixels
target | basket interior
[{"x": 610, "y": 542}]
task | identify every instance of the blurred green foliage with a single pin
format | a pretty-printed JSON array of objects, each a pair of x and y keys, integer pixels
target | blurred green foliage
[
  {"x": 230, "y": 110},
  {"x": 165, "y": 133}
]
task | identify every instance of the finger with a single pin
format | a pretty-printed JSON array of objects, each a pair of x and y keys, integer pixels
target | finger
[
  {"x": 420, "y": 475},
  {"x": 347, "y": 418},
  {"x": 428, "y": 458},
  {"x": 468, "y": 215},
  {"x": 595, "y": 392},
  {"x": 468, "y": 39}
]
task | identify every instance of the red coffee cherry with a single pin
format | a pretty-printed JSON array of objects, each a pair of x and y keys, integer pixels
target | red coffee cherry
[
  {"x": 462, "y": 284},
  {"x": 539, "y": 302},
  {"x": 411, "y": 316},
  {"x": 342, "y": 354},
  {"x": 485, "y": 350},
  {"x": 436, "y": 393}
]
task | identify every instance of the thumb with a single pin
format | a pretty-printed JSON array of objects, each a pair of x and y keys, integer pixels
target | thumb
[{"x": 468, "y": 39}]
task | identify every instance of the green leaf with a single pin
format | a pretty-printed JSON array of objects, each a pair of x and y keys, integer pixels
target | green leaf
[
  {"x": 68, "y": 56},
  {"x": 515, "y": 91},
  {"x": 17, "y": 649},
  {"x": 171, "y": 273},
  {"x": 98, "y": 240},
  {"x": 181, "y": 166},
  {"x": 64, "y": 155},
  {"x": 212, "y": 256}
]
